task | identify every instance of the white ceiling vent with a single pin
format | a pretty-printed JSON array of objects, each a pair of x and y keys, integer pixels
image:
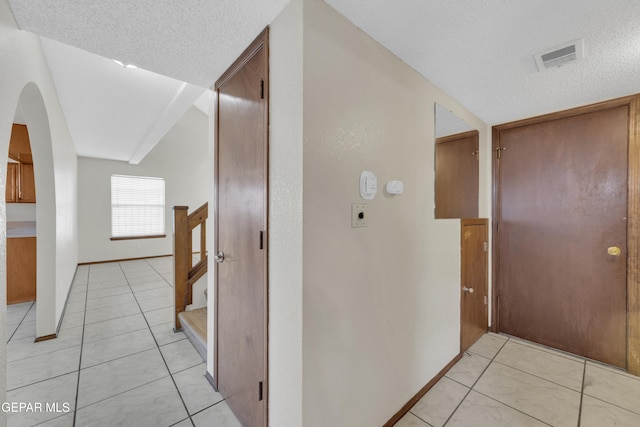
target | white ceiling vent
[{"x": 560, "y": 55}]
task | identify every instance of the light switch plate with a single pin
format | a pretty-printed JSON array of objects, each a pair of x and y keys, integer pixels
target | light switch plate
[{"x": 358, "y": 215}]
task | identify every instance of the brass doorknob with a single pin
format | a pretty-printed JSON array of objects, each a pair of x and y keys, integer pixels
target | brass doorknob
[{"x": 614, "y": 251}]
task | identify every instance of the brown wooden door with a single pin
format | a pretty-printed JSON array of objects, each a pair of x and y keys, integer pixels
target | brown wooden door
[
  {"x": 474, "y": 320},
  {"x": 457, "y": 176},
  {"x": 241, "y": 220},
  {"x": 562, "y": 188}
]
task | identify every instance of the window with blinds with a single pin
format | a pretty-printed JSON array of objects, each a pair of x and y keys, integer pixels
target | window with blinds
[{"x": 137, "y": 206}]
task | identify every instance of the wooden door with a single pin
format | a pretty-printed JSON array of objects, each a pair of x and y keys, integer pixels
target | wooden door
[
  {"x": 457, "y": 176},
  {"x": 474, "y": 320},
  {"x": 562, "y": 208},
  {"x": 241, "y": 224}
]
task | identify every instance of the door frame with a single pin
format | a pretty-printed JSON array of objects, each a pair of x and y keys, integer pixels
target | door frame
[
  {"x": 261, "y": 42},
  {"x": 633, "y": 215}
]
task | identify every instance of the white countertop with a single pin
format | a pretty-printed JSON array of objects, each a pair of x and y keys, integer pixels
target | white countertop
[{"x": 21, "y": 229}]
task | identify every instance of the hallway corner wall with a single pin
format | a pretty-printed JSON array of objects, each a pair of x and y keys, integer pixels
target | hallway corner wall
[
  {"x": 285, "y": 218},
  {"x": 24, "y": 63}
]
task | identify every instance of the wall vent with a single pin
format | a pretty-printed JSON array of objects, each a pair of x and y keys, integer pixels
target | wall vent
[{"x": 560, "y": 55}]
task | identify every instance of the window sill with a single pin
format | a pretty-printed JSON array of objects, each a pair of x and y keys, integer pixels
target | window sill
[{"x": 157, "y": 236}]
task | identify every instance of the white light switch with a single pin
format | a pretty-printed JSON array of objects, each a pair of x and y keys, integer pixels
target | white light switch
[{"x": 358, "y": 215}]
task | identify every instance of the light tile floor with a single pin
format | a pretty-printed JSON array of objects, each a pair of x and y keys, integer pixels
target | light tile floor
[
  {"x": 116, "y": 361},
  {"x": 503, "y": 381}
]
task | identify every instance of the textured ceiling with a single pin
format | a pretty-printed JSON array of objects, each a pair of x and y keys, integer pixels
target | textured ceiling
[
  {"x": 190, "y": 40},
  {"x": 121, "y": 113},
  {"x": 481, "y": 52}
]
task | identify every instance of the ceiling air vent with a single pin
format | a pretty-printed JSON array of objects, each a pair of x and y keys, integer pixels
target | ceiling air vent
[{"x": 560, "y": 55}]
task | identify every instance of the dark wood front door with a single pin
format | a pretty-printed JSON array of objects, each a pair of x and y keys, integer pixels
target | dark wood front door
[
  {"x": 241, "y": 242},
  {"x": 474, "y": 320},
  {"x": 562, "y": 208}
]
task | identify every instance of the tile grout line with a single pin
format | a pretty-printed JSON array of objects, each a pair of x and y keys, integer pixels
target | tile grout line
[
  {"x": 611, "y": 370},
  {"x": 120, "y": 357},
  {"x": 538, "y": 377},
  {"x": 546, "y": 349},
  {"x": 613, "y": 404},
  {"x": 518, "y": 341},
  {"x": 418, "y": 417},
  {"x": 509, "y": 338},
  {"x": 476, "y": 381},
  {"x": 584, "y": 374},
  {"x": 160, "y": 274},
  {"x": 66, "y": 347},
  {"x": 491, "y": 361},
  {"x": 502, "y": 403},
  {"x": 123, "y": 392},
  {"x": 41, "y": 381},
  {"x": 158, "y": 347},
  {"x": 84, "y": 317},
  {"x": 222, "y": 400},
  {"x": 26, "y": 313},
  {"x": 514, "y": 408}
]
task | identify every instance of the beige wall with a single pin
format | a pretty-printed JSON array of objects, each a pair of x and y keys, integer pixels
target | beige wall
[
  {"x": 285, "y": 218},
  {"x": 381, "y": 304}
]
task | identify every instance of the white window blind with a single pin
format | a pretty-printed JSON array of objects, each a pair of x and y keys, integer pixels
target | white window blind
[{"x": 137, "y": 206}]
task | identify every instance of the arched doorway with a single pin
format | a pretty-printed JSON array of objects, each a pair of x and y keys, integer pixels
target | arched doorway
[{"x": 31, "y": 105}]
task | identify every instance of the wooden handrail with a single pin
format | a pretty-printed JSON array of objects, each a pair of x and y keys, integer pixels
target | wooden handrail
[{"x": 185, "y": 274}]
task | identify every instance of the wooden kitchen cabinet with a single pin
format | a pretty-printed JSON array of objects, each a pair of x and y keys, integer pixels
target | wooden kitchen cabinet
[
  {"x": 27, "y": 187},
  {"x": 19, "y": 146},
  {"x": 21, "y": 186},
  {"x": 21, "y": 269},
  {"x": 11, "y": 190}
]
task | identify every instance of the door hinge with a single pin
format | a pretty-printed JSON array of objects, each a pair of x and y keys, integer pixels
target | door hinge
[
  {"x": 499, "y": 151},
  {"x": 485, "y": 300},
  {"x": 261, "y": 239},
  {"x": 261, "y": 88},
  {"x": 486, "y": 246},
  {"x": 260, "y": 391},
  {"x": 497, "y": 227}
]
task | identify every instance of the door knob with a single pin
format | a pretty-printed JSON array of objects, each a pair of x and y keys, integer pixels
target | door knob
[
  {"x": 614, "y": 251},
  {"x": 219, "y": 257},
  {"x": 469, "y": 290}
]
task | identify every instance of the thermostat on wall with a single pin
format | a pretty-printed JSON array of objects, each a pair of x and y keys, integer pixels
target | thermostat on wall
[{"x": 368, "y": 185}]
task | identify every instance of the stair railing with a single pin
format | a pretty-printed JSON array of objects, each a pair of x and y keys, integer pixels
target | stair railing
[{"x": 185, "y": 274}]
